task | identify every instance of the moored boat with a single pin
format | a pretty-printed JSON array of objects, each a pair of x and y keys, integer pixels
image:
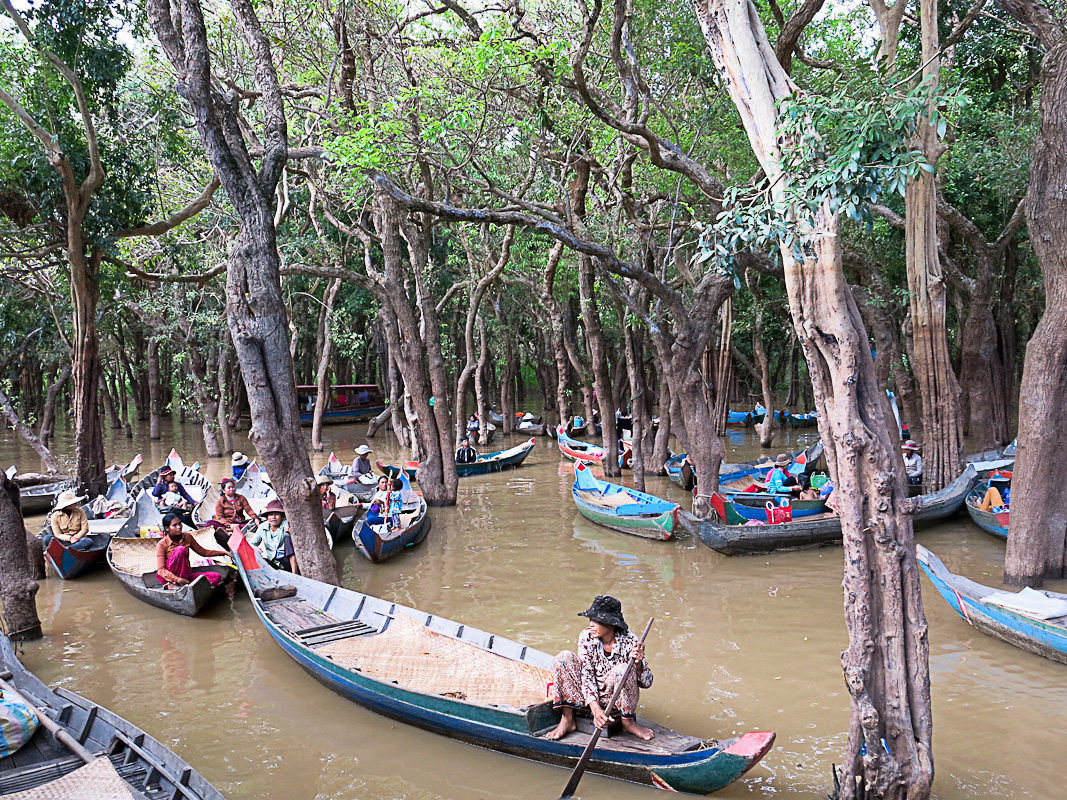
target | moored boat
[
  {"x": 68, "y": 563},
  {"x": 486, "y": 463},
  {"x": 133, "y": 561},
  {"x": 467, "y": 684},
  {"x": 994, "y": 522},
  {"x": 621, "y": 508},
  {"x": 346, "y": 403},
  {"x": 1032, "y": 620},
  {"x": 379, "y": 544},
  {"x": 124, "y": 760},
  {"x": 588, "y": 453}
]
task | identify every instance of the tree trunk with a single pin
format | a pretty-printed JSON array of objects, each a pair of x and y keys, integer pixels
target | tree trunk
[
  {"x": 47, "y": 459},
  {"x": 886, "y": 665},
  {"x": 481, "y": 399},
  {"x": 594, "y": 334},
  {"x": 155, "y": 392},
  {"x": 322, "y": 374},
  {"x": 942, "y": 424},
  {"x": 90, "y": 469},
  {"x": 1039, "y": 493},
  {"x": 766, "y": 429},
  {"x": 641, "y": 424},
  {"x": 110, "y": 405},
  {"x": 222, "y": 414},
  {"x": 48, "y": 417},
  {"x": 17, "y": 586}
]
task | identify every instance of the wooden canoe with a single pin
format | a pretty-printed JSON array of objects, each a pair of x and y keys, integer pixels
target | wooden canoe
[
  {"x": 622, "y": 509},
  {"x": 379, "y": 544},
  {"x": 804, "y": 460},
  {"x": 588, "y": 453},
  {"x": 341, "y": 520},
  {"x": 128, "y": 759},
  {"x": 68, "y": 563},
  {"x": 990, "y": 522},
  {"x": 486, "y": 463},
  {"x": 973, "y": 602},
  {"x": 825, "y": 529},
  {"x": 467, "y": 684},
  {"x": 133, "y": 560}
]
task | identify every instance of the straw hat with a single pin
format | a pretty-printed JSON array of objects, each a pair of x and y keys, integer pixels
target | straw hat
[
  {"x": 274, "y": 506},
  {"x": 910, "y": 446},
  {"x": 782, "y": 460},
  {"x": 323, "y": 480},
  {"x": 362, "y": 450},
  {"x": 67, "y": 499},
  {"x": 239, "y": 459}
]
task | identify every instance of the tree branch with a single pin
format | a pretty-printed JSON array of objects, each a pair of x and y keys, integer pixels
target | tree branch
[{"x": 162, "y": 226}]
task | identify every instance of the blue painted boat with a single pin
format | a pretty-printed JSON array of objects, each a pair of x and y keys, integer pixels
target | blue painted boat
[
  {"x": 588, "y": 453},
  {"x": 994, "y": 522},
  {"x": 486, "y": 463},
  {"x": 347, "y": 403},
  {"x": 981, "y": 606},
  {"x": 379, "y": 544},
  {"x": 467, "y": 684},
  {"x": 803, "y": 461},
  {"x": 621, "y": 508},
  {"x": 753, "y": 505}
]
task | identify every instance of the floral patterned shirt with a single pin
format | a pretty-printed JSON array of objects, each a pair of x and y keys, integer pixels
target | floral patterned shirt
[{"x": 596, "y": 664}]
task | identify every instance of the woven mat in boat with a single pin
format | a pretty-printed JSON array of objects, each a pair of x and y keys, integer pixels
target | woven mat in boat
[
  {"x": 613, "y": 500},
  {"x": 138, "y": 556},
  {"x": 97, "y": 780},
  {"x": 418, "y": 658}
]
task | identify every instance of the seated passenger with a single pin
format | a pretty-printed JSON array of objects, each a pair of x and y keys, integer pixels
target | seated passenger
[
  {"x": 69, "y": 523},
  {"x": 273, "y": 539},
  {"x": 172, "y": 556}
]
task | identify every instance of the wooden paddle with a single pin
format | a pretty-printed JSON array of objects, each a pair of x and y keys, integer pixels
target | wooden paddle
[
  {"x": 46, "y": 721},
  {"x": 583, "y": 762}
]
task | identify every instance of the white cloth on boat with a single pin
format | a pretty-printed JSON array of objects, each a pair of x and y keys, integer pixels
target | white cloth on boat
[{"x": 1029, "y": 602}]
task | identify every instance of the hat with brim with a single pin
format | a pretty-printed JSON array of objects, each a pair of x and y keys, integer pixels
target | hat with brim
[
  {"x": 782, "y": 460},
  {"x": 607, "y": 611},
  {"x": 239, "y": 459},
  {"x": 324, "y": 480},
  {"x": 167, "y": 472},
  {"x": 909, "y": 446},
  {"x": 67, "y": 499},
  {"x": 274, "y": 507},
  {"x": 362, "y": 450}
]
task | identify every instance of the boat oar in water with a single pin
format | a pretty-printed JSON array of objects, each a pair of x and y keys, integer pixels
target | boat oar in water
[{"x": 583, "y": 762}]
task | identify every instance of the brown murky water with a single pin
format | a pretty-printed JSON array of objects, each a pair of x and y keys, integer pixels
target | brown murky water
[{"x": 739, "y": 644}]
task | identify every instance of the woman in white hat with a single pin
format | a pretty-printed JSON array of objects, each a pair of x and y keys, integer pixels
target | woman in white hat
[
  {"x": 69, "y": 523},
  {"x": 361, "y": 464},
  {"x": 238, "y": 463}
]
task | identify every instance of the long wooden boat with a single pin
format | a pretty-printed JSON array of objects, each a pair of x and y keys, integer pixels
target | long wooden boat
[
  {"x": 346, "y": 403},
  {"x": 804, "y": 460},
  {"x": 753, "y": 506},
  {"x": 133, "y": 560},
  {"x": 379, "y": 544},
  {"x": 622, "y": 509},
  {"x": 825, "y": 529},
  {"x": 985, "y": 609},
  {"x": 520, "y": 417},
  {"x": 996, "y": 523},
  {"x": 588, "y": 453},
  {"x": 339, "y": 472},
  {"x": 69, "y": 563},
  {"x": 486, "y": 463},
  {"x": 467, "y": 684},
  {"x": 128, "y": 762}
]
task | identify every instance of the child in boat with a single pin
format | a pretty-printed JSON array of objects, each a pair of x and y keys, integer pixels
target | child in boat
[
  {"x": 273, "y": 539},
  {"x": 379, "y": 503},
  {"x": 172, "y": 498},
  {"x": 396, "y": 504},
  {"x": 466, "y": 454},
  {"x": 587, "y": 680}
]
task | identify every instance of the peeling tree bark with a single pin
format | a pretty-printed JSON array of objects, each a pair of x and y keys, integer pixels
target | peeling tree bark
[{"x": 886, "y": 665}]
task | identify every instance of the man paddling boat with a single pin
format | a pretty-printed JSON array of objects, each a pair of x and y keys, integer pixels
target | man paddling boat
[{"x": 587, "y": 680}]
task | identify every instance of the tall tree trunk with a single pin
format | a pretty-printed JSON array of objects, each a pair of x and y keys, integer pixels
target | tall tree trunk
[
  {"x": 48, "y": 416},
  {"x": 322, "y": 373},
  {"x": 155, "y": 392},
  {"x": 109, "y": 403},
  {"x": 594, "y": 334},
  {"x": 222, "y": 415},
  {"x": 766, "y": 429},
  {"x": 886, "y": 665},
  {"x": 942, "y": 424},
  {"x": 481, "y": 396},
  {"x": 90, "y": 475},
  {"x": 1039, "y": 494},
  {"x": 641, "y": 424},
  {"x": 255, "y": 309},
  {"x": 17, "y": 586}
]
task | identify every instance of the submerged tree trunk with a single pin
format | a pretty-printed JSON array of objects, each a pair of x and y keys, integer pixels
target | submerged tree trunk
[
  {"x": 17, "y": 586},
  {"x": 48, "y": 417},
  {"x": 322, "y": 372},
  {"x": 766, "y": 429},
  {"x": 255, "y": 309},
  {"x": 222, "y": 414},
  {"x": 942, "y": 424},
  {"x": 1036, "y": 544},
  {"x": 155, "y": 392},
  {"x": 90, "y": 476},
  {"x": 594, "y": 334},
  {"x": 886, "y": 665}
]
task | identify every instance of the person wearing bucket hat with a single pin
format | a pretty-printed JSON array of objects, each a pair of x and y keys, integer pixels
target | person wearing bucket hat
[
  {"x": 585, "y": 681},
  {"x": 326, "y": 491},
  {"x": 913, "y": 463},
  {"x": 361, "y": 464},
  {"x": 238, "y": 465},
  {"x": 273, "y": 539},
  {"x": 779, "y": 479},
  {"x": 69, "y": 523}
]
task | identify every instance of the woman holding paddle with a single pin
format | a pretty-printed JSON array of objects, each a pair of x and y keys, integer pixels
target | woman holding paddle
[{"x": 587, "y": 680}]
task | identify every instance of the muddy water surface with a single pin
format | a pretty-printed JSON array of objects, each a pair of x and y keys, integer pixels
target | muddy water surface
[{"x": 739, "y": 644}]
